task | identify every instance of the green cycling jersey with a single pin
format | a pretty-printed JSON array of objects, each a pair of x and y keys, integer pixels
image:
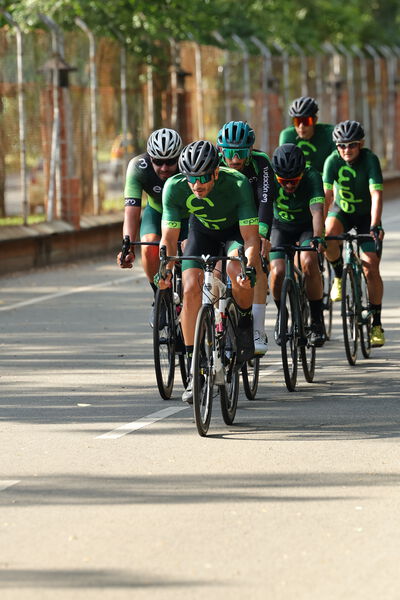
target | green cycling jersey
[
  {"x": 316, "y": 149},
  {"x": 294, "y": 209}
]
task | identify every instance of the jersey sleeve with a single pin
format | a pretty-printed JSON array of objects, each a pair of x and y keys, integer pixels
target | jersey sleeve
[
  {"x": 247, "y": 207},
  {"x": 266, "y": 193},
  {"x": 329, "y": 173},
  {"x": 375, "y": 178},
  {"x": 172, "y": 213},
  {"x": 287, "y": 136},
  {"x": 317, "y": 195}
]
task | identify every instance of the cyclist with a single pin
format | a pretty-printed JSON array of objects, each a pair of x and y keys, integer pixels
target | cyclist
[
  {"x": 235, "y": 143},
  {"x": 315, "y": 139},
  {"x": 356, "y": 173},
  {"x": 298, "y": 218},
  {"x": 148, "y": 172},
  {"x": 222, "y": 209}
]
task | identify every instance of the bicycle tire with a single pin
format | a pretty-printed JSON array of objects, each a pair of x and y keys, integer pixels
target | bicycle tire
[
  {"x": 250, "y": 377},
  {"x": 327, "y": 304},
  {"x": 203, "y": 368},
  {"x": 164, "y": 342},
  {"x": 365, "y": 318},
  {"x": 349, "y": 315},
  {"x": 307, "y": 352},
  {"x": 229, "y": 393},
  {"x": 288, "y": 333}
]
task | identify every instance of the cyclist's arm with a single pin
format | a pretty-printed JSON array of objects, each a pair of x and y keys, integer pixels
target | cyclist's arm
[
  {"x": 376, "y": 207},
  {"x": 317, "y": 213},
  {"x": 329, "y": 199},
  {"x": 131, "y": 221},
  {"x": 251, "y": 241},
  {"x": 266, "y": 193}
]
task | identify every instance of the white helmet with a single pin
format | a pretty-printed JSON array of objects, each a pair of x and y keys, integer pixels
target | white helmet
[{"x": 164, "y": 143}]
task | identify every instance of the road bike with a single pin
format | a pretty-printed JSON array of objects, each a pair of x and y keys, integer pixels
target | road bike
[
  {"x": 355, "y": 310},
  {"x": 168, "y": 344},
  {"x": 328, "y": 275},
  {"x": 214, "y": 367},
  {"x": 294, "y": 321}
]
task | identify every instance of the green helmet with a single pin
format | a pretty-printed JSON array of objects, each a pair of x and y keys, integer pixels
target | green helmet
[{"x": 236, "y": 134}]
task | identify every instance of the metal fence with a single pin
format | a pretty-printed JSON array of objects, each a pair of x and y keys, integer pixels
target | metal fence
[{"x": 74, "y": 109}]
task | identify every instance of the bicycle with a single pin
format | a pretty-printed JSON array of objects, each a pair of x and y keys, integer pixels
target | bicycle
[
  {"x": 167, "y": 333},
  {"x": 355, "y": 312},
  {"x": 214, "y": 350},
  {"x": 294, "y": 324},
  {"x": 327, "y": 274}
]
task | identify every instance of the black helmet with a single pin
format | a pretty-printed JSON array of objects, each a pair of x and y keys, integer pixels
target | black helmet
[
  {"x": 288, "y": 161},
  {"x": 236, "y": 134},
  {"x": 303, "y": 107},
  {"x": 198, "y": 158},
  {"x": 348, "y": 131},
  {"x": 164, "y": 143}
]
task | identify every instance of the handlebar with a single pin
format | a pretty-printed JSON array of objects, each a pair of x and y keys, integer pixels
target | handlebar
[{"x": 350, "y": 237}]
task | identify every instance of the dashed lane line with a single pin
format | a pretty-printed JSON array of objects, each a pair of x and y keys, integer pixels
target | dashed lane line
[
  {"x": 6, "y": 483},
  {"x": 140, "y": 423}
]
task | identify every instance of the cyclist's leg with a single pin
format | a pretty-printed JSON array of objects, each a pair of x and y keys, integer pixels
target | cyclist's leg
[
  {"x": 314, "y": 289},
  {"x": 150, "y": 231},
  {"x": 336, "y": 224}
]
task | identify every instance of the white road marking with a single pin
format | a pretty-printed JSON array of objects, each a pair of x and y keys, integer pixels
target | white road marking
[
  {"x": 6, "y": 483},
  {"x": 77, "y": 290},
  {"x": 142, "y": 422}
]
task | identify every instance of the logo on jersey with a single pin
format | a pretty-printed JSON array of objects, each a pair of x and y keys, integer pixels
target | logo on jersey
[
  {"x": 198, "y": 207},
  {"x": 285, "y": 213},
  {"x": 347, "y": 200},
  {"x": 142, "y": 163},
  {"x": 307, "y": 148},
  {"x": 157, "y": 189}
]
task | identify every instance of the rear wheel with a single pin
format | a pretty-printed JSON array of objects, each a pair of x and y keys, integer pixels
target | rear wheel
[
  {"x": 327, "y": 304},
  {"x": 229, "y": 393},
  {"x": 164, "y": 340},
  {"x": 289, "y": 333},
  {"x": 365, "y": 318},
  {"x": 307, "y": 352},
  {"x": 202, "y": 369},
  {"x": 349, "y": 315}
]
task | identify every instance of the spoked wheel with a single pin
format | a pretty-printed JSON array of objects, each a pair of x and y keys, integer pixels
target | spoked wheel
[
  {"x": 202, "y": 368},
  {"x": 164, "y": 341},
  {"x": 288, "y": 334},
  {"x": 250, "y": 376},
  {"x": 365, "y": 318},
  {"x": 229, "y": 393},
  {"x": 180, "y": 351},
  {"x": 307, "y": 352},
  {"x": 349, "y": 315},
  {"x": 327, "y": 304}
]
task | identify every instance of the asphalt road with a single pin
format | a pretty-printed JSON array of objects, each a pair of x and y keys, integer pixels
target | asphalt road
[{"x": 104, "y": 496}]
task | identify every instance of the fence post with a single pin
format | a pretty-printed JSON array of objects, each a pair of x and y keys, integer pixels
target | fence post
[
  {"x": 364, "y": 89},
  {"x": 266, "y": 78},
  {"x": 377, "y": 121},
  {"x": 93, "y": 113},
  {"x": 21, "y": 114},
  {"x": 246, "y": 75},
  {"x": 226, "y": 70},
  {"x": 304, "y": 69},
  {"x": 285, "y": 80},
  {"x": 349, "y": 79}
]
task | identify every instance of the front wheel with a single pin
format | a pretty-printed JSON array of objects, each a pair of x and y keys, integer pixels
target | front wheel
[
  {"x": 349, "y": 315},
  {"x": 203, "y": 369},
  {"x": 250, "y": 376},
  {"x": 327, "y": 304},
  {"x": 365, "y": 318},
  {"x": 289, "y": 333},
  {"x": 307, "y": 352},
  {"x": 229, "y": 392},
  {"x": 164, "y": 342}
]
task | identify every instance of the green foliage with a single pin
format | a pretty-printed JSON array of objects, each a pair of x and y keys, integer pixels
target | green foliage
[{"x": 143, "y": 24}]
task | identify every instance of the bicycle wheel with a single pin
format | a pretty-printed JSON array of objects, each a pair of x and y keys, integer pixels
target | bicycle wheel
[
  {"x": 349, "y": 315},
  {"x": 250, "y": 377},
  {"x": 288, "y": 333},
  {"x": 327, "y": 304},
  {"x": 307, "y": 352},
  {"x": 229, "y": 392},
  {"x": 202, "y": 369},
  {"x": 164, "y": 341},
  {"x": 365, "y": 318}
]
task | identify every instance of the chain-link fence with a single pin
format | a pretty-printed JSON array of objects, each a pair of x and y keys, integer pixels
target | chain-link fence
[{"x": 80, "y": 107}]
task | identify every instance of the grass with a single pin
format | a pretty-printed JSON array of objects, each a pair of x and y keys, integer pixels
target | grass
[{"x": 14, "y": 221}]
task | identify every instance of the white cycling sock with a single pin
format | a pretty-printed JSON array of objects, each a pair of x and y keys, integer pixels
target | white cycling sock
[{"x": 259, "y": 317}]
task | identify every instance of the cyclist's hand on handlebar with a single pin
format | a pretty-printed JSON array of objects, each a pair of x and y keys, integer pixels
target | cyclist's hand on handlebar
[
  {"x": 125, "y": 262},
  {"x": 377, "y": 232},
  {"x": 319, "y": 243},
  {"x": 163, "y": 282},
  {"x": 265, "y": 247}
]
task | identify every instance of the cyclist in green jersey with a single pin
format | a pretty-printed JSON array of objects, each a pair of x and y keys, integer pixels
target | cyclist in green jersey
[
  {"x": 353, "y": 190},
  {"x": 315, "y": 139},
  {"x": 298, "y": 218},
  {"x": 235, "y": 142},
  {"x": 222, "y": 209},
  {"x": 148, "y": 173}
]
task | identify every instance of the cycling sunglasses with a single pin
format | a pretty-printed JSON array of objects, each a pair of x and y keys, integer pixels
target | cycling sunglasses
[
  {"x": 200, "y": 178},
  {"x": 239, "y": 152},
  {"x": 350, "y": 145},
  {"x": 292, "y": 181},
  {"x": 164, "y": 161},
  {"x": 303, "y": 121}
]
